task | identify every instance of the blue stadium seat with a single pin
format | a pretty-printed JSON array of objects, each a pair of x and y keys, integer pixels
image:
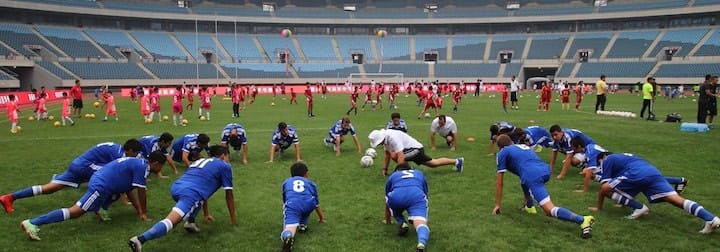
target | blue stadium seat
[
  {"x": 275, "y": 43},
  {"x": 547, "y": 46},
  {"x": 5, "y": 76},
  {"x": 100, "y": 71},
  {"x": 204, "y": 42},
  {"x": 311, "y": 13},
  {"x": 711, "y": 46},
  {"x": 390, "y": 13},
  {"x": 231, "y": 11},
  {"x": 430, "y": 43},
  {"x": 632, "y": 44},
  {"x": 552, "y": 11},
  {"x": 705, "y": 2},
  {"x": 348, "y": 44},
  {"x": 317, "y": 48},
  {"x": 649, "y": 5},
  {"x": 75, "y": 3},
  {"x": 512, "y": 69},
  {"x": 565, "y": 70},
  {"x": 159, "y": 44},
  {"x": 470, "y": 13},
  {"x": 183, "y": 70},
  {"x": 687, "y": 70},
  {"x": 515, "y": 43},
  {"x": 148, "y": 6},
  {"x": 17, "y": 36},
  {"x": 52, "y": 68},
  {"x": 466, "y": 70},
  {"x": 469, "y": 47},
  {"x": 310, "y": 3},
  {"x": 71, "y": 42},
  {"x": 615, "y": 69},
  {"x": 408, "y": 70},
  {"x": 111, "y": 41},
  {"x": 264, "y": 70},
  {"x": 244, "y": 50},
  {"x": 393, "y": 47},
  {"x": 686, "y": 38},
  {"x": 595, "y": 41},
  {"x": 325, "y": 70}
]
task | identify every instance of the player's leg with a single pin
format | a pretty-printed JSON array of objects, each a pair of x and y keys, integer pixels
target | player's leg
[
  {"x": 161, "y": 228},
  {"x": 678, "y": 182},
  {"x": 528, "y": 205},
  {"x": 418, "y": 156},
  {"x": 91, "y": 201},
  {"x": 712, "y": 222},
  {"x": 291, "y": 221},
  {"x": 539, "y": 193},
  {"x": 623, "y": 192},
  {"x": 417, "y": 213}
]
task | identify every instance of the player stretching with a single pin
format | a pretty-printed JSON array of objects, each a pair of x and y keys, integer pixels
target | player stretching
[
  {"x": 534, "y": 173},
  {"x": 191, "y": 192},
  {"x": 401, "y": 147},
  {"x": 234, "y": 134},
  {"x": 120, "y": 176},
  {"x": 406, "y": 190},
  {"x": 353, "y": 101},
  {"x": 300, "y": 199},
  {"x": 282, "y": 138},
  {"x": 158, "y": 143},
  {"x": 337, "y": 133}
]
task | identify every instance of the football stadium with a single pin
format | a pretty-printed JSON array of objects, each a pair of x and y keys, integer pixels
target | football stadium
[{"x": 334, "y": 125}]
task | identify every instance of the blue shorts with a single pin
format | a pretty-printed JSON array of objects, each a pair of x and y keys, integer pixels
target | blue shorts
[
  {"x": 536, "y": 190},
  {"x": 414, "y": 201},
  {"x": 78, "y": 172},
  {"x": 187, "y": 202},
  {"x": 295, "y": 214},
  {"x": 94, "y": 199},
  {"x": 654, "y": 187}
]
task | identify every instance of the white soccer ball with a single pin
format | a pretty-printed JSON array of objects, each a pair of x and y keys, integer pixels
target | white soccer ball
[
  {"x": 366, "y": 161},
  {"x": 580, "y": 160},
  {"x": 427, "y": 115},
  {"x": 371, "y": 152}
]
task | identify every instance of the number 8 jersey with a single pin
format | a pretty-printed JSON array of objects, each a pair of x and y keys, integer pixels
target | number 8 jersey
[{"x": 300, "y": 194}]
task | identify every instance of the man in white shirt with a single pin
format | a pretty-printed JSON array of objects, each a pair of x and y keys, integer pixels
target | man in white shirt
[
  {"x": 444, "y": 126},
  {"x": 514, "y": 87},
  {"x": 402, "y": 148}
]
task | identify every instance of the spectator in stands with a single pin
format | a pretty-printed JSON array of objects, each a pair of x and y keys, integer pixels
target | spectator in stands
[
  {"x": 514, "y": 87},
  {"x": 76, "y": 94},
  {"x": 707, "y": 102},
  {"x": 601, "y": 89}
]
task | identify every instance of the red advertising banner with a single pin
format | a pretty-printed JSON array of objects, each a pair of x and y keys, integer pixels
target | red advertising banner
[{"x": 24, "y": 98}]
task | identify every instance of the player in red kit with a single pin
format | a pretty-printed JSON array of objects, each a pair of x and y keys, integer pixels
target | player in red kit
[
  {"x": 430, "y": 99},
  {"x": 177, "y": 107},
  {"x": 309, "y": 99},
  {"x": 12, "y": 113},
  {"x": 565, "y": 97},
  {"x": 391, "y": 96},
  {"x": 293, "y": 96},
  {"x": 205, "y": 104},
  {"x": 368, "y": 98},
  {"x": 353, "y": 101},
  {"x": 378, "y": 99},
  {"x": 578, "y": 94},
  {"x": 457, "y": 96},
  {"x": 505, "y": 99}
]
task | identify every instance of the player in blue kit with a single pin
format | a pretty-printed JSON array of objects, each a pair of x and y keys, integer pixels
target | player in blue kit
[
  {"x": 496, "y": 130},
  {"x": 535, "y": 137},
  {"x": 336, "y": 135},
  {"x": 625, "y": 175},
  {"x": 561, "y": 142},
  {"x": 188, "y": 148},
  {"x": 159, "y": 143},
  {"x": 120, "y": 176},
  {"x": 282, "y": 138},
  {"x": 586, "y": 158},
  {"x": 521, "y": 160},
  {"x": 79, "y": 171},
  {"x": 300, "y": 199},
  {"x": 234, "y": 134},
  {"x": 396, "y": 123},
  {"x": 191, "y": 192},
  {"x": 406, "y": 190}
]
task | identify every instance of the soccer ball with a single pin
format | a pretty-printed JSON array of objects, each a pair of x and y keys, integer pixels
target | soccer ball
[
  {"x": 165, "y": 118},
  {"x": 184, "y": 121},
  {"x": 87, "y": 115},
  {"x": 579, "y": 160},
  {"x": 18, "y": 128},
  {"x": 31, "y": 118},
  {"x": 202, "y": 118},
  {"x": 51, "y": 118},
  {"x": 371, "y": 152},
  {"x": 427, "y": 115},
  {"x": 96, "y": 104},
  {"x": 92, "y": 116},
  {"x": 56, "y": 124},
  {"x": 366, "y": 161},
  {"x": 272, "y": 104},
  {"x": 148, "y": 121}
]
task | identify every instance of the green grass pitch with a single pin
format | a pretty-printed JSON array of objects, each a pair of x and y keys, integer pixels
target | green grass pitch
[{"x": 352, "y": 197}]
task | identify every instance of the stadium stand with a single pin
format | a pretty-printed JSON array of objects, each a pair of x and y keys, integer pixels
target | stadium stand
[
  {"x": 145, "y": 6},
  {"x": 317, "y": 48},
  {"x": 183, "y": 70},
  {"x": 112, "y": 41},
  {"x": 547, "y": 46},
  {"x": 565, "y": 70},
  {"x": 597, "y": 41},
  {"x": 687, "y": 70},
  {"x": 311, "y": 13},
  {"x": 648, "y": 5},
  {"x": 390, "y": 13},
  {"x": 76, "y": 3},
  {"x": 465, "y": 70},
  {"x": 553, "y": 11},
  {"x": 6, "y": 76},
  {"x": 686, "y": 39},
  {"x": 350, "y": 44},
  {"x": 17, "y": 36},
  {"x": 243, "y": 50},
  {"x": 430, "y": 43},
  {"x": 230, "y": 11},
  {"x": 393, "y": 48},
  {"x": 256, "y": 71},
  {"x": 159, "y": 44},
  {"x": 512, "y": 69},
  {"x": 71, "y": 42},
  {"x": 615, "y": 69},
  {"x": 515, "y": 43},
  {"x": 204, "y": 42},
  {"x": 325, "y": 70},
  {"x": 468, "y": 47},
  {"x": 99, "y": 71},
  {"x": 632, "y": 44},
  {"x": 408, "y": 70},
  {"x": 711, "y": 46},
  {"x": 274, "y": 43},
  {"x": 52, "y": 68}
]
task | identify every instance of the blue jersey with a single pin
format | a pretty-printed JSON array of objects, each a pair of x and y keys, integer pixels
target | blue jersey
[
  {"x": 337, "y": 130},
  {"x": 203, "y": 178},
  {"x": 592, "y": 151},
  {"x": 402, "y": 126},
  {"x": 285, "y": 141},
  {"x": 626, "y": 165},
  {"x": 504, "y": 128},
  {"x": 150, "y": 144},
  {"x": 564, "y": 144},
  {"x": 300, "y": 194},
  {"x": 407, "y": 180},
  {"x": 537, "y": 135},
  {"x": 225, "y": 135},
  {"x": 521, "y": 160},
  {"x": 120, "y": 176},
  {"x": 187, "y": 143},
  {"x": 96, "y": 157}
]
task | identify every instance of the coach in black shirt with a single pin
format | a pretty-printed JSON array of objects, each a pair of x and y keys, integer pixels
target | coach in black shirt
[{"x": 707, "y": 102}]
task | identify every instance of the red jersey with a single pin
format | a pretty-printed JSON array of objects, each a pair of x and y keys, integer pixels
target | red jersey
[
  {"x": 565, "y": 95},
  {"x": 457, "y": 95},
  {"x": 354, "y": 97},
  {"x": 504, "y": 96},
  {"x": 368, "y": 94},
  {"x": 308, "y": 95},
  {"x": 66, "y": 107},
  {"x": 12, "y": 111},
  {"x": 145, "y": 105},
  {"x": 76, "y": 92}
]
